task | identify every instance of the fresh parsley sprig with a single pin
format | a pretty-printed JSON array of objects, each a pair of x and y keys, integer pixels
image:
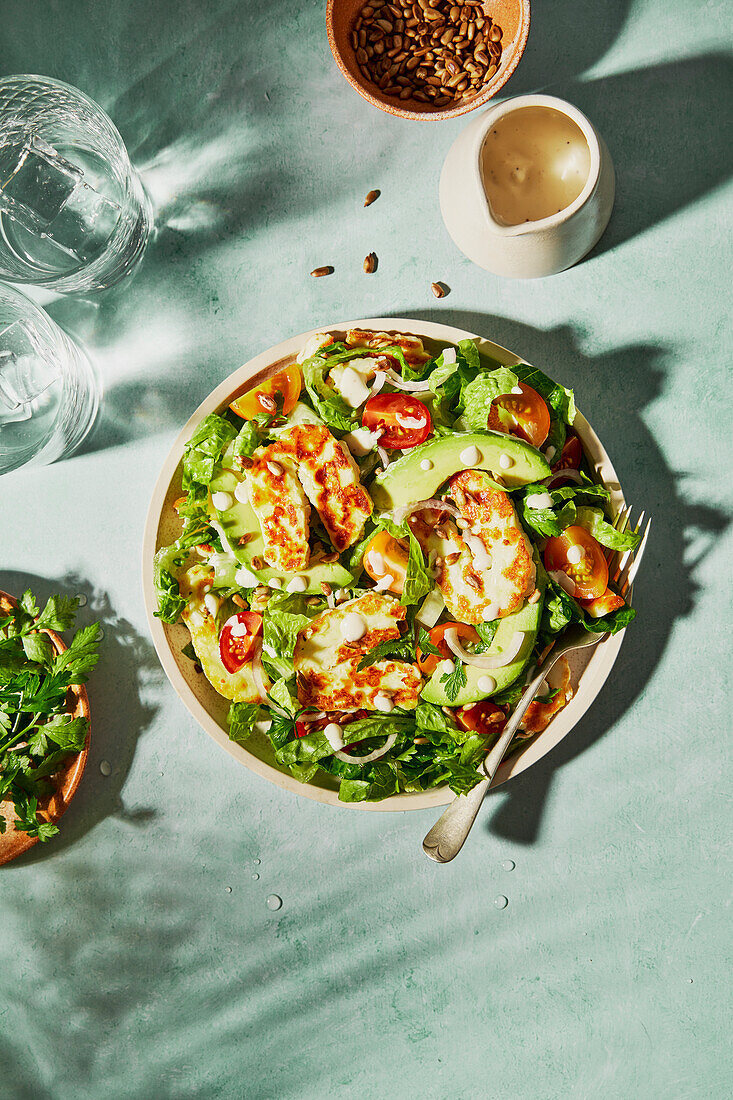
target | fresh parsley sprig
[{"x": 37, "y": 734}]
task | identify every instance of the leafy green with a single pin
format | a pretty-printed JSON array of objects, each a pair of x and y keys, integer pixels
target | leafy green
[
  {"x": 37, "y": 734},
  {"x": 248, "y": 439},
  {"x": 558, "y": 398},
  {"x": 454, "y": 681},
  {"x": 562, "y": 513},
  {"x": 594, "y": 522},
  {"x": 425, "y": 645},
  {"x": 399, "y": 649},
  {"x": 329, "y": 404},
  {"x": 418, "y": 581},
  {"x": 486, "y": 632},
  {"x": 284, "y": 615},
  {"x": 242, "y": 718},
  {"x": 478, "y": 395},
  {"x": 203, "y": 449}
]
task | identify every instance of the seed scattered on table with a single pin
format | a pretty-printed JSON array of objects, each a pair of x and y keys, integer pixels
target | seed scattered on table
[
  {"x": 372, "y": 197},
  {"x": 437, "y": 52},
  {"x": 439, "y": 289},
  {"x": 370, "y": 263},
  {"x": 319, "y": 272}
]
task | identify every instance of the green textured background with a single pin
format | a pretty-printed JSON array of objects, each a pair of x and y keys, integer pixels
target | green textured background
[{"x": 126, "y": 968}]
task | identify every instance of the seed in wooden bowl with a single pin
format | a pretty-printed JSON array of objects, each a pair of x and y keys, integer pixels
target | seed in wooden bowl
[
  {"x": 370, "y": 263},
  {"x": 436, "y": 52},
  {"x": 372, "y": 197},
  {"x": 319, "y": 272}
]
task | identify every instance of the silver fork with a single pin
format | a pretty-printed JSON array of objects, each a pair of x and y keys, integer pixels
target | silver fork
[{"x": 447, "y": 836}]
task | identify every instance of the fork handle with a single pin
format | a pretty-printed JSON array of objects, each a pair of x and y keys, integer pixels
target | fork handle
[{"x": 448, "y": 834}]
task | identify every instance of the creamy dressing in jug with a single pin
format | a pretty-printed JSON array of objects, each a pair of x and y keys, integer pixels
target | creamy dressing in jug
[{"x": 535, "y": 162}]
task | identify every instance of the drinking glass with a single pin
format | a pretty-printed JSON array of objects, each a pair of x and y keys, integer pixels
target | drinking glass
[
  {"x": 73, "y": 212},
  {"x": 48, "y": 388}
]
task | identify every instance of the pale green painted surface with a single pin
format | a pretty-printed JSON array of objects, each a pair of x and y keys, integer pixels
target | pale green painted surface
[{"x": 126, "y": 969}]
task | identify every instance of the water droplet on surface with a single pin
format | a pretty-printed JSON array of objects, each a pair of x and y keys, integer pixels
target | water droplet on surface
[
  {"x": 501, "y": 902},
  {"x": 274, "y": 902},
  {"x": 255, "y": 875},
  {"x": 105, "y": 767},
  {"x": 82, "y": 599},
  {"x": 508, "y": 865},
  {"x": 257, "y": 862},
  {"x": 228, "y": 889}
]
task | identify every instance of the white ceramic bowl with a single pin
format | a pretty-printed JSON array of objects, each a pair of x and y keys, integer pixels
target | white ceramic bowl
[
  {"x": 210, "y": 709},
  {"x": 529, "y": 250}
]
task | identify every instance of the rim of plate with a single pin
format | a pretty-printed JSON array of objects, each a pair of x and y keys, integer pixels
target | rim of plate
[{"x": 589, "y": 673}]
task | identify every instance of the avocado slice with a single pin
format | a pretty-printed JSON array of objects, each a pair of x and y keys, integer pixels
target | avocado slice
[
  {"x": 404, "y": 480},
  {"x": 240, "y": 521},
  {"x": 238, "y": 686},
  {"x": 526, "y": 619}
]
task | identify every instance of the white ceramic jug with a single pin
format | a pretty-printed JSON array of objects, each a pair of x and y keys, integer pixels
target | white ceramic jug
[{"x": 530, "y": 249}]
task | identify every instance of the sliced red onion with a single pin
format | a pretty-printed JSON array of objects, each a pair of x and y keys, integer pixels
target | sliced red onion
[
  {"x": 401, "y": 384},
  {"x": 383, "y": 457},
  {"x": 565, "y": 582},
  {"x": 400, "y": 514},
  {"x": 372, "y": 755},
  {"x": 379, "y": 379},
  {"x": 258, "y": 677},
  {"x": 570, "y": 474},
  {"x": 485, "y": 660}
]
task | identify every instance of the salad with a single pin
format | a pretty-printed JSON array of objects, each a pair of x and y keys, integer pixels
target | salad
[{"x": 376, "y": 544}]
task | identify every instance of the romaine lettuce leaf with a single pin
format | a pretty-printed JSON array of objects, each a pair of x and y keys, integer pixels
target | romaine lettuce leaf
[
  {"x": 477, "y": 395},
  {"x": 242, "y": 718},
  {"x": 203, "y": 449},
  {"x": 557, "y": 397},
  {"x": 594, "y": 522}
]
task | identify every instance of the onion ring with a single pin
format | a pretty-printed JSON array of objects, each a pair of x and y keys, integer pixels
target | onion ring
[
  {"x": 485, "y": 660},
  {"x": 372, "y": 755}
]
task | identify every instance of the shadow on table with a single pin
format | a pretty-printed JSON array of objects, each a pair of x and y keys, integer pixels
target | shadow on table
[
  {"x": 614, "y": 388},
  {"x": 119, "y": 707}
]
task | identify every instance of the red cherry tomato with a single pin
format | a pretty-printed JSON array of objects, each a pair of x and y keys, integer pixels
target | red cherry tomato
[
  {"x": 589, "y": 572},
  {"x": 522, "y": 414},
  {"x": 602, "y": 605},
  {"x": 403, "y": 421},
  {"x": 288, "y": 383},
  {"x": 235, "y": 648},
  {"x": 570, "y": 459},
  {"x": 428, "y": 662},
  {"x": 483, "y": 718}
]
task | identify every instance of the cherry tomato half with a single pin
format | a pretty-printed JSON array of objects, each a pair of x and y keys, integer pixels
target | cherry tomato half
[
  {"x": 603, "y": 604},
  {"x": 387, "y": 556},
  {"x": 484, "y": 718},
  {"x": 581, "y": 557},
  {"x": 403, "y": 421},
  {"x": 235, "y": 647},
  {"x": 428, "y": 662},
  {"x": 522, "y": 414},
  {"x": 288, "y": 383},
  {"x": 570, "y": 459}
]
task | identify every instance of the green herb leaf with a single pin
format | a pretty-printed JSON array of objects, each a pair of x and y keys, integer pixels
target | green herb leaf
[
  {"x": 425, "y": 645},
  {"x": 454, "y": 681},
  {"x": 399, "y": 649}
]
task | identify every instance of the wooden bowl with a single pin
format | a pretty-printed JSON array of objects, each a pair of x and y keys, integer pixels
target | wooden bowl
[
  {"x": 12, "y": 842},
  {"x": 511, "y": 15},
  {"x": 589, "y": 668}
]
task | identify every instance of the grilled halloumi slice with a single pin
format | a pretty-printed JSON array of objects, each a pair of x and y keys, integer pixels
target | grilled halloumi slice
[
  {"x": 486, "y": 571},
  {"x": 281, "y": 506},
  {"x": 326, "y": 663},
  {"x": 330, "y": 478},
  {"x": 412, "y": 346}
]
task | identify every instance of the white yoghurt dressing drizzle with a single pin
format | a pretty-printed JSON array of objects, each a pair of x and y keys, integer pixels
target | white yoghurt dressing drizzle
[
  {"x": 486, "y": 683},
  {"x": 353, "y": 627},
  {"x": 297, "y": 584},
  {"x": 506, "y": 462},
  {"x": 222, "y": 501},
  {"x": 481, "y": 556},
  {"x": 575, "y": 554},
  {"x": 246, "y": 579},
  {"x": 212, "y": 604},
  {"x": 539, "y": 500},
  {"x": 376, "y": 561},
  {"x": 426, "y": 464},
  {"x": 334, "y": 735},
  {"x": 471, "y": 455},
  {"x": 239, "y": 630},
  {"x": 384, "y": 583},
  {"x": 490, "y": 612},
  {"x": 240, "y": 493},
  {"x": 517, "y": 390},
  {"x": 383, "y": 702}
]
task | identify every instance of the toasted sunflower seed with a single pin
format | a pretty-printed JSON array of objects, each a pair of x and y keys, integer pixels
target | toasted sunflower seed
[
  {"x": 317, "y": 273},
  {"x": 438, "y": 290},
  {"x": 372, "y": 197},
  {"x": 370, "y": 263}
]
